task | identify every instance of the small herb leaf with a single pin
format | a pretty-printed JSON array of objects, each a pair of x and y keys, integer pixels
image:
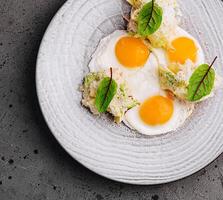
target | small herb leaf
[
  {"x": 105, "y": 93},
  {"x": 201, "y": 82},
  {"x": 149, "y": 18}
]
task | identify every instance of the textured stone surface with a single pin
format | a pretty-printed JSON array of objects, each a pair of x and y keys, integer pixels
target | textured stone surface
[{"x": 32, "y": 164}]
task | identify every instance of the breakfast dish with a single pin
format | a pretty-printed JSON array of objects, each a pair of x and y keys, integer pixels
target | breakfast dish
[
  {"x": 151, "y": 75},
  {"x": 107, "y": 148}
]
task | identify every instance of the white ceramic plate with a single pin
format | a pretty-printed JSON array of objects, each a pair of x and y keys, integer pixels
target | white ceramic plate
[{"x": 112, "y": 150}]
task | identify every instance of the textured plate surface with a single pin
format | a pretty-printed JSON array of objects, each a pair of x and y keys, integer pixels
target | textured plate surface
[{"x": 113, "y": 150}]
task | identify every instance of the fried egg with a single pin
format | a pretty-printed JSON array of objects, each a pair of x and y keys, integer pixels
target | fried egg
[
  {"x": 120, "y": 50},
  {"x": 159, "y": 112},
  {"x": 184, "y": 49}
]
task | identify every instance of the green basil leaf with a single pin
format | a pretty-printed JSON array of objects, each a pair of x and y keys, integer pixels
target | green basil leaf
[
  {"x": 201, "y": 82},
  {"x": 105, "y": 93},
  {"x": 149, "y": 18}
]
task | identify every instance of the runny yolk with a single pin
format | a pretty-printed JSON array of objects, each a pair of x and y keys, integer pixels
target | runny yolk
[
  {"x": 131, "y": 52},
  {"x": 183, "y": 48},
  {"x": 156, "y": 110}
]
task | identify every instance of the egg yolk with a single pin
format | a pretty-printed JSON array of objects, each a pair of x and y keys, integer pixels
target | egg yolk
[
  {"x": 183, "y": 48},
  {"x": 156, "y": 110},
  {"x": 131, "y": 52}
]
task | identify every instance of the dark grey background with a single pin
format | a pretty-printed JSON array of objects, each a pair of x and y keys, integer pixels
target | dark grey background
[{"x": 32, "y": 163}]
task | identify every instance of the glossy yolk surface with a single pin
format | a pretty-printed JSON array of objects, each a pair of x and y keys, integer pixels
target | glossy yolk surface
[
  {"x": 131, "y": 52},
  {"x": 183, "y": 48},
  {"x": 156, "y": 110}
]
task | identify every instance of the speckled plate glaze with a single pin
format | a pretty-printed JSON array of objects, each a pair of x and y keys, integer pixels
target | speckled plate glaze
[{"x": 113, "y": 150}]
